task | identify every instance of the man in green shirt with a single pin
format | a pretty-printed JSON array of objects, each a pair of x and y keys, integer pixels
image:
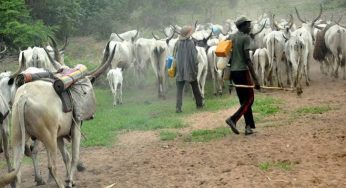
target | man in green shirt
[{"x": 241, "y": 69}]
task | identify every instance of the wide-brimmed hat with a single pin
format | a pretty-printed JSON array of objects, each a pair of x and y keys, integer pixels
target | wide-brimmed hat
[
  {"x": 186, "y": 31},
  {"x": 241, "y": 20}
]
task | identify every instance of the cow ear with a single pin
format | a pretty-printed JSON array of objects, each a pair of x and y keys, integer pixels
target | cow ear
[{"x": 10, "y": 81}]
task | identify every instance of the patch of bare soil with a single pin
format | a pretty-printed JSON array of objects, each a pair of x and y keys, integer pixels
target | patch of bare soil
[{"x": 312, "y": 144}]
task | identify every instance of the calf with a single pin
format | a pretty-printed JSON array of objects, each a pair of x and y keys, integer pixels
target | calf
[{"x": 115, "y": 79}]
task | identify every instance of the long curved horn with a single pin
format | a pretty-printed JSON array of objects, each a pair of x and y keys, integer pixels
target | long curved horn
[
  {"x": 104, "y": 58},
  {"x": 264, "y": 25},
  {"x": 211, "y": 33},
  {"x": 107, "y": 59},
  {"x": 229, "y": 28},
  {"x": 195, "y": 24},
  {"x": 21, "y": 66},
  {"x": 56, "y": 65},
  {"x": 285, "y": 37},
  {"x": 338, "y": 22},
  {"x": 168, "y": 39},
  {"x": 319, "y": 16},
  {"x": 152, "y": 33},
  {"x": 134, "y": 37},
  {"x": 164, "y": 32},
  {"x": 175, "y": 30},
  {"x": 275, "y": 24},
  {"x": 298, "y": 16},
  {"x": 55, "y": 49},
  {"x": 4, "y": 50},
  {"x": 65, "y": 44},
  {"x": 291, "y": 21},
  {"x": 119, "y": 37}
]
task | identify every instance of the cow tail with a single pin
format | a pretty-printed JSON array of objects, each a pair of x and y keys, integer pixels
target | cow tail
[{"x": 19, "y": 148}]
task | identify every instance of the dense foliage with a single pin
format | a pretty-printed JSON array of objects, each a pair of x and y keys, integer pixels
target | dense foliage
[
  {"x": 17, "y": 27},
  {"x": 28, "y": 22}
]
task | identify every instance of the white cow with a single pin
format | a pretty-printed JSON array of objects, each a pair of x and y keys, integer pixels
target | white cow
[
  {"x": 202, "y": 68},
  {"x": 296, "y": 55},
  {"x": 125, "y": 54},
  {"x": 306, "y": 32},
  {"x": 115, "y": 80},
  {"x": 37, "y": 113},
  {"x": 126, "y": 36},
  {"x": 261, "y": 64},
  {"x": 335, "y": 40},
  {"x": 158, "y": 63},
  {"x": 40, "y": 58},
  {"x": 275, "y": 44},
  {"x": 216, "y": 67},
  {"x": 6, "y": 96},
  {"x": 144, "y": 55}
]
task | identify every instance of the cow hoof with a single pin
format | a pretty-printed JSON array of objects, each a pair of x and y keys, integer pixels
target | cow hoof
[
  {"x": 39, "y": 181},
  {"x": 70, "y": 184},
  {"x": 1, "y": 150}
]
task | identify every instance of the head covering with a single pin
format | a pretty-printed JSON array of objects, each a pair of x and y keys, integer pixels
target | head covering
[
  {"x": 186, "y": 32},
  {"x": 241, "y": 20}
]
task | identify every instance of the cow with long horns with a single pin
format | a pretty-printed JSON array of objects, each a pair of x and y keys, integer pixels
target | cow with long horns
[{"x": 33, "y": 117}]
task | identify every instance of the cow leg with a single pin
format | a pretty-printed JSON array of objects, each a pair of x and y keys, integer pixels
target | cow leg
[
  {"x": 121, "y": 94},
  {"x": 51, "y": 147},
  {"x": 34, "y": 151},
  {"x": 76, "y": 134},
  {"x": 65, "y": 155},
  {"x": 202, "y": 82},
  {"x": 5, "y": 142},
  {"x": 220, "y": 82},
  {"x": 1, "y": 150},
  {"x": 343, "y": 66},
  {"x": 337, "y": 64}
]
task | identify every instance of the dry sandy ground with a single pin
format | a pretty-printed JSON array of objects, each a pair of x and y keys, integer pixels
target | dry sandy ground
[{"x": 314, "y": 144}]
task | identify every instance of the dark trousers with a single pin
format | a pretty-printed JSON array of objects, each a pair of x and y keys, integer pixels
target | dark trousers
[
  {"x": 245, "y": 96},
  {"x": 195, "y": 90}
]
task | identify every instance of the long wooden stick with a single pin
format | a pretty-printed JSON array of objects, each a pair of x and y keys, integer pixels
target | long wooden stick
[{"x": 263, "y": 87}]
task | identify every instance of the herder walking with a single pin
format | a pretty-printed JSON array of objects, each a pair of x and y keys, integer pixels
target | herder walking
[
  {"x": 185, "y": 54},
  {"x": 241, "y": 69}
]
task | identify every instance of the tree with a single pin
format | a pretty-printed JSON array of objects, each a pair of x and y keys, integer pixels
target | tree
[{"x": 17, "y": 28}]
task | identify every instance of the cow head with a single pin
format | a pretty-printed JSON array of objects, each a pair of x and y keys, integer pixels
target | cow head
[
  {"x": 309, "y": 25},
  {"x": 7, "y": 86},
  {"x": 286, "y": 26},
  {"x": 53, "y": 50},
  {"x": 167, "y": 39},
  {"x": 202, "y": 42},
  {"x": 253, "y": 35}
]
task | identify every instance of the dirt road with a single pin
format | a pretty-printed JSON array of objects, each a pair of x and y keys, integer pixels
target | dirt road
[{"x": 288, "y": 150}]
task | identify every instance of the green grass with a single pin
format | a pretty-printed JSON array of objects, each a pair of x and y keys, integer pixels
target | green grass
[
  {"x": 313, "y": 110},
  {"x": 207, "y": 135},
  {"x": 142, "y": 110},
  {"x": 168, "y": 135},
  {"x": 283, "y": 165}
]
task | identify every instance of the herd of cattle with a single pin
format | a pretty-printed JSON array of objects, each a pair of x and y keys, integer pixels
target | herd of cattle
[{"x": 279, "y": 50}]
